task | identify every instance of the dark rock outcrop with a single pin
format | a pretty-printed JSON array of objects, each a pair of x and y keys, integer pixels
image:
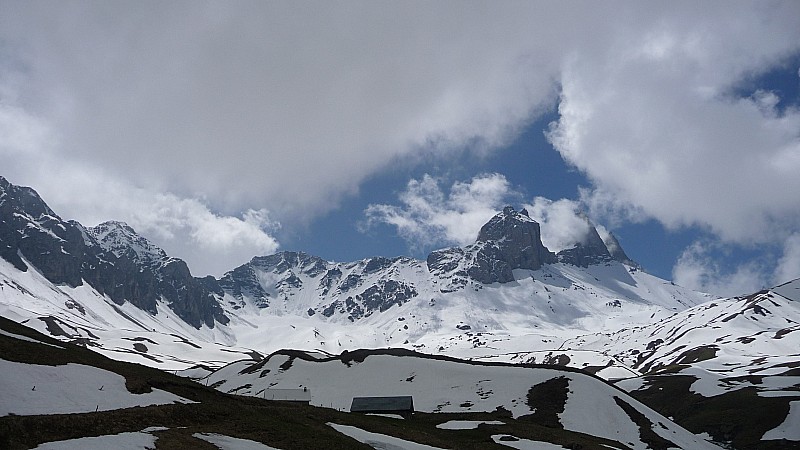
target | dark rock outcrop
[
  {"x": 510, "y": 240},
  {"x": 111, "y": 258},
  {"x": 594, "y": 250},
  {"x": 616, "y": 251},
  {"x": 591, "y": 251}
]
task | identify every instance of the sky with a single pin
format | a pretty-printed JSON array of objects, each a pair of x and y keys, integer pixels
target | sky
[{"x": 348, "y": 129}]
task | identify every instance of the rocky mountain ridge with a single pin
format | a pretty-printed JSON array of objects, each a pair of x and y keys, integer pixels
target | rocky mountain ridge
[
  {"x": 110, "y": 257},
  {"x": 707, "y": 362},
  {"x": 115, "y": 260}
]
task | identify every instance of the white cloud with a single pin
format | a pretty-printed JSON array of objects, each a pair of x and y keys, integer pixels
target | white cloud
[
  {"x": 429, "y": 216},
  {"x": 561, "y": 224},
  {"x": 286, "y": 108},
  {"x": 271, "y": 105},
  {"x": 697, "y": 270},
  {"x": 652, "y": 123},
  {"x": 211, "y": 243},
  {"x": 788, "y": 267}
]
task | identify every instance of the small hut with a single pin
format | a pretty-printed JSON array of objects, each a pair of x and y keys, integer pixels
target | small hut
[{"x": 402, "y": 405}]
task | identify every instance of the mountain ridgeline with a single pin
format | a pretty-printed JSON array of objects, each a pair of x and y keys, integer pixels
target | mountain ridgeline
[
  {"x": 117, "y": 262},
  {"x": 110, "y": 257}
]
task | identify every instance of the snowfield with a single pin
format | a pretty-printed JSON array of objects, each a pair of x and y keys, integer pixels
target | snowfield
[
  {"x": 451, "y": 386},
  {"x": 380, "y": 441},
  {"x": 122, "y": 441},
  {"x": 29, "y": 389}
]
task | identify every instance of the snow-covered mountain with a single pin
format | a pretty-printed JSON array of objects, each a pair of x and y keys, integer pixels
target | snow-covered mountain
[
  {"x": 506, "y": 298},
  {"x": 110, "y": 258},
  {"x": 501, "y": 296}
]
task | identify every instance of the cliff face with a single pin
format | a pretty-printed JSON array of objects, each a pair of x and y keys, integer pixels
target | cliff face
[
  {"x": 510, "y": 240},
  {"x": 111, "y": 258}
]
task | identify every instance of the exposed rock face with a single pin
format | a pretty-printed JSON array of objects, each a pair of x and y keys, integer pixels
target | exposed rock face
[
  {"x": 594, "y": 250},
  {"x": 513, "y": 241},
  {"x": 111, "y": 258},
  {"x": 616, "y": 251},
  {"x": 245, "y": 281},
  {"x": 510, "y": 240},
  {"x": 378, "y": 297},
  {"x": 591, "y": 251},
  {"x": 126, "y": 267},
  {"x": 30, "y": 229},
  {"x": 355, "y": 290}
]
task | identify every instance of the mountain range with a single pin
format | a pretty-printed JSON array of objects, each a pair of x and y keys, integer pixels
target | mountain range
[{"x": 505, "y": 299}]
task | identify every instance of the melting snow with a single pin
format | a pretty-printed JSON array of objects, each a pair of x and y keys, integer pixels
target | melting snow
[
  {"x": 524, "y": 444},
  {"x": 231, "y": 443},
  {"x": 466, "y": 424},
  {"x": 25, "y": 338},
  {"x": 30, "y": 389},
  {"x": 122, "y": 441},
  {"x": 380, "y": 441},
  {"x": 790, "y": 428}
]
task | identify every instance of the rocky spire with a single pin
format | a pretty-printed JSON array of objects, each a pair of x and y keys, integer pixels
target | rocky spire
[
  {"x": 517, "y": 238},
  {"x": 594, "y": 249},
  {"x": 509, "y": 240},
  {"x": 616, "y": 251}
]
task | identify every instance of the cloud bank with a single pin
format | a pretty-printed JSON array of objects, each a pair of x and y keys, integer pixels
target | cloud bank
[
  {"x": 286, "y": 107},
  {"x": 430, "y": 215}
]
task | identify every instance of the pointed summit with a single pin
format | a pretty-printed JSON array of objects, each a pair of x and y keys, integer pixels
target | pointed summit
[
  {"x": 509, "y": 224},
  {"x": 509, "y": 240},
  {"x": 616, "y": 251},
  {"x": 594, "y": 248},
  {"x": 515, "y": 239},
  {"x": 120, "y": 239}
]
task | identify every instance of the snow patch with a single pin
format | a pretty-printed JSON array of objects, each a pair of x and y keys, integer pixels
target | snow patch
[
  {"x": 524, "y": 444},
  {"x": 790, "y": 428},
  {"x": 122, "y": 441},
  {"x": 231, "y": 443},
  {"x": 30, "y": 389},
  {"x": 466, "y": 424},
  {"x": 380, "y": 441}
]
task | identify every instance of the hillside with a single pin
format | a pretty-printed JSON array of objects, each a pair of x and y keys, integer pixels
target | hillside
[
  {"x": 194, "y": 414},
  {"x": 709, "y": 363}
]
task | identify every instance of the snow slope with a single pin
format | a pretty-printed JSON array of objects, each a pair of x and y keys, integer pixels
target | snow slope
[
  {"x": 30, "y": 389},
  {"x": 123, "y": 332},
  {"x": 445, "y": 385}
]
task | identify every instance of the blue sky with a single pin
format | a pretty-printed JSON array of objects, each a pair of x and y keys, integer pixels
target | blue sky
[
  {"x": 535, "y": 168},
  {"x": 353, "y": 129}
]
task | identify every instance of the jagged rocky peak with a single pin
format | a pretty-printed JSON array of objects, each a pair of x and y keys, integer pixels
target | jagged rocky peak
[
  {"x": 509, "y": 240},
  {"x": 510, "y": 224},
  {"x": 594, "y": 249},
  {"x": 23, "y": 198},
  {"x": 512, "y": 237},
  {"x": 29, "y": 229},
  {"x": 616, "y": 251},
  {"x": 285, "y": 261},
  {"x": 121, "y": 239},
  {"x": 111, "y": 258}
]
